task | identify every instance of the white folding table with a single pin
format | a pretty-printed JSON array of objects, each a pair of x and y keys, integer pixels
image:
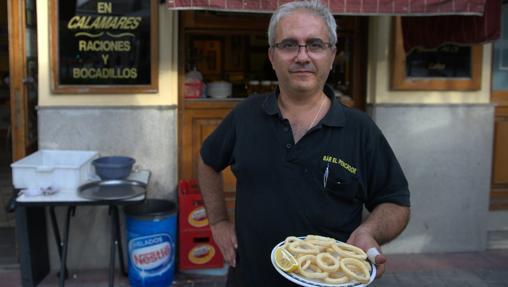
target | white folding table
[{"x": 28, "y": 222}]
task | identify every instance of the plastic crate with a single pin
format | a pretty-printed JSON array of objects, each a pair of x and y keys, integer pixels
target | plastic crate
[
  {"x": 197, "y": 250},
  {"x": 63, "y": 169},
  {"x": 192, "y": 213}
]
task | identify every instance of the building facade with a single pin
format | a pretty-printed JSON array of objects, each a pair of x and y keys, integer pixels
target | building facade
[{"x": 443, "y": 140}]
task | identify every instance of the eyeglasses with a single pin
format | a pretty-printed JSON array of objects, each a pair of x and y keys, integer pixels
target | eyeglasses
[{"x": 291, "y": 47}]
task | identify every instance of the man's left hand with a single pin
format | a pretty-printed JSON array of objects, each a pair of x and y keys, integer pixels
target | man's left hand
[{"x": 365, "y": 241}]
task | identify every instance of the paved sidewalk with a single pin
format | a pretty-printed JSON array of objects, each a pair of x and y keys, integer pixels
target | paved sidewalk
[
  {"x": 478, "y": 269},
  {"x": 489, "y": 268}
]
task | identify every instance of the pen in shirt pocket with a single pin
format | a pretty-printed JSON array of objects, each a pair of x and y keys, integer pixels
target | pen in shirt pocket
[{"x": 325, "y": 174}]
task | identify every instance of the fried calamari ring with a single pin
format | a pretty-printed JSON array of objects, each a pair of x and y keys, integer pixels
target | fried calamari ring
[
  {"x": 289, "y": 240},
  {"x": 367, "y": 265},
  {"x": 302, "y": 247},
  {"x": 332, "y": 252},
  {"x": 350, "y": 265},
  {"x": 356, "y": 269},
  {"x": 306, "y": 260},
  {"x": 319, "y": 247},
  {"x": 308, "y": 268},
  {"x": 323, "y": 239},
  {"x": 327, "y": 262},
  {"x": 336, "y": 278},
  {"x": 314, "y": 273},
  {"x": 320, "y": 240},
  {"x": 349, "y": 251}
]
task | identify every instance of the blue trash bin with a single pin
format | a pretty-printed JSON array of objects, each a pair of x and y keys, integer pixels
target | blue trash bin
[{"x": 151, "y": 241}]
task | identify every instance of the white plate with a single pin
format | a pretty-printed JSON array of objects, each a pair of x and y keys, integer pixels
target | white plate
[{"x": 302, "y": 281}]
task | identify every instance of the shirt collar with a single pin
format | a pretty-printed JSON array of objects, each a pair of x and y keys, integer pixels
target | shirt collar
[{"x": 335, "y": 117}]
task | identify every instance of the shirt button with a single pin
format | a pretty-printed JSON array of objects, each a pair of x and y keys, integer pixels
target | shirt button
[
  {"x": 288, "y": 146},
  {"x": 286, "y": 129},
  {"x": 305, "y": 170}
]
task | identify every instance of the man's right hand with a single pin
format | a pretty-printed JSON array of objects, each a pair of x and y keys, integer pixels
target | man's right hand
[{"x": 224, "y": 235}]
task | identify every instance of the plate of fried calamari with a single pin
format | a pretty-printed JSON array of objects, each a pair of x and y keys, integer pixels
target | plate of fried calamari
[{"x": 319, "y": 261}]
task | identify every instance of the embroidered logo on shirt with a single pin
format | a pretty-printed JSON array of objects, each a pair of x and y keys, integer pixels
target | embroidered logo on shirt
[{"x": 340, "y": 162}]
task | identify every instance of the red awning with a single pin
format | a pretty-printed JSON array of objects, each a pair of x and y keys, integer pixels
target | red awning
[
  {"x": 346, "y": 7},
  {"x": 431, "y": 32}
]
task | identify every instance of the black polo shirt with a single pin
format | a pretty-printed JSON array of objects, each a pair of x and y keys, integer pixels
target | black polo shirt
[{"x": 282, "y": 187}]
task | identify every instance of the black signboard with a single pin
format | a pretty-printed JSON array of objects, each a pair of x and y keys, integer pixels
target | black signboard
[
  {"x": 105, "y": 45},
  {"x": 447, "y": 61}
]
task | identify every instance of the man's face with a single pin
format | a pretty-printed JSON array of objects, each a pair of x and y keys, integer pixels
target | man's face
[{"x": 302, "y": 71}]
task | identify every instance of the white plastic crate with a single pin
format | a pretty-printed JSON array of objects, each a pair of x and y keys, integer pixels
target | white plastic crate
[{"x": 63, "y": 169}]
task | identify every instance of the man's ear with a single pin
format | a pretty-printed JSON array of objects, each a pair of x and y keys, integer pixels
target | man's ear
[
  {"x": 270, "y": 56},
  {"x": 334, "y": 51}
]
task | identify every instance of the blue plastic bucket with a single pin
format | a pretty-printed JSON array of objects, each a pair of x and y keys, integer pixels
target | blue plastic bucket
[{"x": 151, "y": 238}]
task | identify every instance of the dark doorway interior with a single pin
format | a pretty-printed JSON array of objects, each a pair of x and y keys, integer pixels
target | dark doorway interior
[
  {"x": 7, "y": 235},
  {"x": 8, "y": 255}
]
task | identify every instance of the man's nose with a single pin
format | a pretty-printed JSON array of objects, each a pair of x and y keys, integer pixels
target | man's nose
[{"x": 302, "y": 54}]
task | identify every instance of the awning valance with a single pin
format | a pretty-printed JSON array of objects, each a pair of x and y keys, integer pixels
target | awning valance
[
  {"x": 346, "y": 7},
  {"x": 431, "y": 32}
]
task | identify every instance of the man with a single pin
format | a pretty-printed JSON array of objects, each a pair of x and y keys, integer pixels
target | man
[{"x": 304, "y": 163}]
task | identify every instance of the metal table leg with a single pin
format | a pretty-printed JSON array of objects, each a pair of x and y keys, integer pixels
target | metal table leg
[
  {"x": 119, "y": 240},
  {"x": 112, "y": 247},
  {"x": 33, "y": 246},
  {"x": 71, "y": 211},
  {"x": 56, "y": 233}
]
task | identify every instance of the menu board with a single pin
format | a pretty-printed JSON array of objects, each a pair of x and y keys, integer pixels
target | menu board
[
  {"x": 105, "y": 44},
  {"x": 447, "y": 61}
]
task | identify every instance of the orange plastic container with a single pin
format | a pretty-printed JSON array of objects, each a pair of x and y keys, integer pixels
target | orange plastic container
[
  {"x": 197, "y": 250},
  {"x": 196, "y": 247},
  {"x": 191, "y": 208}
]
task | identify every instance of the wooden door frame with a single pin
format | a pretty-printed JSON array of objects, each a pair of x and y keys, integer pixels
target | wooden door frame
[
  {"x": 498, "y": 189},
  {"x": 17, "y": 73}
]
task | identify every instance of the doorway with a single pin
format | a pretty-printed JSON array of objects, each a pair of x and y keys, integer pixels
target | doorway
[
  {"x": 7, "y": 241},
  {"x": 18, "y": 101}
]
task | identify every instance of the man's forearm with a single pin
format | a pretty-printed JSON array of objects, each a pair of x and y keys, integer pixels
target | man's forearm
[
  {"x": 386, "y": 222},
  {"x": 212, "y": 190}
]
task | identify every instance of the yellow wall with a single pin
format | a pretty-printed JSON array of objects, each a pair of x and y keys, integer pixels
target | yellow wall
[
  {"x": 379, "y": 74},
  {"x": 168, "y": 84}
]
